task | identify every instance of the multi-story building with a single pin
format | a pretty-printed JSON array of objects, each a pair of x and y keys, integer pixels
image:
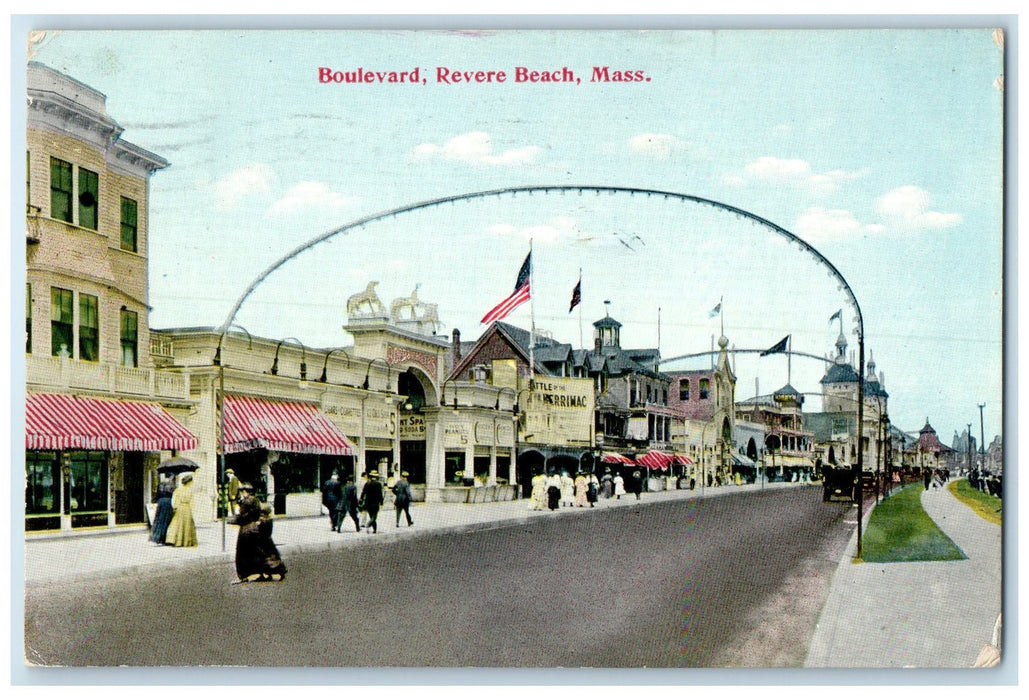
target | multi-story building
[
  {"x": 554, "y": 397},
  {"x": 577, "y": 406},
  {"x": 703, "y": 400},
  {"x": 99, "y": 415},
  {"x": 291, "y": 414},
  {"x": 789, "y": 447},
  {"x": 835, "y": 427}
]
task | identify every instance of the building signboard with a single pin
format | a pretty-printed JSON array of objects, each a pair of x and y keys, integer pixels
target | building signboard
[{"x": 557, "y": 410}]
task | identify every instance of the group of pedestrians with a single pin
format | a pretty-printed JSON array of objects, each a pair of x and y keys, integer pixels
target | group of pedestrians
[
  {"x": 173, "y": 523},
  {"x": 349, "y": 500},
  {"x": 552, "y": 491}
]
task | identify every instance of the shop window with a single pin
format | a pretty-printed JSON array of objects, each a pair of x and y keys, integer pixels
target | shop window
[
  {"x": 684, "y": 389},
  {"x": 60, "y": 190},
  {"x": 129, "y": 223},
  {"x": 87, "y": 483},
  {"x": 89, "y": 198},
  {"x": 61, "y": 320},
  {"x": 705, "y": 388},
  {"x": 42, "y": 483},
  {"x": 89, "y": 328},
  {"x": 129, "y": 338}
]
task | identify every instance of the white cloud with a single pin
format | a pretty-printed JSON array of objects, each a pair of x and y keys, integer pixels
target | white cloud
[
  {"x": 656, "y": 145},
  {"x": 558, "y": 228},
  {"x": 246, "y": 181},
  {"x": 774, "y": 169},
  {"x": 476, "y": 148},
  {"x": 794, "y": 172},
  {"x": 309, "y": 195},
  {"x": 818, "y": 223},
  {"x": 908, "y": 207}
]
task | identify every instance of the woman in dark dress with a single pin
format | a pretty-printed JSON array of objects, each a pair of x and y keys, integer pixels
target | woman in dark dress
[
  {"x": 257, "y": 557},
  {"x": 163, "y": 517}
]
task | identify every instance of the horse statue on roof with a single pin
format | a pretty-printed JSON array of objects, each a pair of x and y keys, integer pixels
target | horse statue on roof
[{"x": 366, "y": 303}]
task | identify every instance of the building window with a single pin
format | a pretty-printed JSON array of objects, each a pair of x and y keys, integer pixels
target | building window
[
  {"x": 128, "y": 224},
  {"x": 89, "y": 196},
  {"x": 684, "y": 389},
  {"x": 705, "y": 388},
  {"x": 87, "y": 482},
  {"x": 89, "y": 328},
  {"x": 61, "y": 320},
  {"x": 42, "y": 483},
  {"x": 129, "y": 338},
  {"x": 664, "y": 396},
  {"x": 60, "y": 190},
  {"x": 28, "y": 318}
]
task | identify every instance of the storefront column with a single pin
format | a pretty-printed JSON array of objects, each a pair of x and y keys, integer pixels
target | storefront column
[
  {"x": 492, "y": 480},
  {"x": 469, "y": 459},
  {"x": 434, "y": 457},
  {"x": 65, "y": 475}
]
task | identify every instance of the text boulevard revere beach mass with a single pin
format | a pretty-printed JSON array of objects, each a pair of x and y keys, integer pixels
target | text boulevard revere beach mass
[{"x": 442, "y": 75}]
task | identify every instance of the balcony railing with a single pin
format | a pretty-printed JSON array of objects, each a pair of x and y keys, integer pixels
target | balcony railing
[{"x": 65, "y": 374}]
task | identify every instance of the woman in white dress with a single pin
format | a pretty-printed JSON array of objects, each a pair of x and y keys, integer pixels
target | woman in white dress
[{"x": 619, "y": 486}]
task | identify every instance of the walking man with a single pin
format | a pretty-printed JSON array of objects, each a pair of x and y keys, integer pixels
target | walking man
[
  {"x": 372, "y": 497},
  {"x": 348, "y": 505},
  {"x": 402, "y": 498},
  {"x": 332, "y": 494}
]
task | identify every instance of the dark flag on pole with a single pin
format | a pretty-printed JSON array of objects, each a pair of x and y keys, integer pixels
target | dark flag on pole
[
  {"x": 835, "y": 316},
  {"x": 777, "y": 348},
  {"x": 576, "y": 295},
  {"x": 520, "y": 295}
]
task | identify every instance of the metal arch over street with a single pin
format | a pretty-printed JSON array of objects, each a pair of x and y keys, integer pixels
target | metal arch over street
[
  {"x": 547, "y": 189},
  {"x": 598, "y": 190},
  {"x": 745, "y": 351}
]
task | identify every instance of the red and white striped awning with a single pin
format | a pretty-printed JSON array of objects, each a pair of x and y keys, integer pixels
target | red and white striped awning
[
  {"x": 655, "y": 459},
  {"x": 284, "y": 426},
  {"x": 615, "y": 458},
  {"x": 683, "y": 460},
  {"x": 63, "y": 422}
]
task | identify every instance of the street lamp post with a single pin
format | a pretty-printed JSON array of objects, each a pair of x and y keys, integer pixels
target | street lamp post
[{"x": 324, "y": 377}]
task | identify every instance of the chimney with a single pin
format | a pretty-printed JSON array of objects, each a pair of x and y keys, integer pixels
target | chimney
[{"x": 455, "y": 347}]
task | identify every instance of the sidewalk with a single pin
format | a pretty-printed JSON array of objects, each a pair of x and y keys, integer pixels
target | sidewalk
[
  {"x": 129, "y": 551},
  {"x": 915, "y": 614}
]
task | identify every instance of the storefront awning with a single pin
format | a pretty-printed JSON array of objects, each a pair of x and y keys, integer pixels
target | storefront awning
[
  {"x": 284, "y": 426},
  {"x": 743, "y": 461},
  {"x": 683, "y": 460},
  {"x": 64, "y": 422},
  {"x": 615, "y": 458},
  {"x": 655, "y": 459}
]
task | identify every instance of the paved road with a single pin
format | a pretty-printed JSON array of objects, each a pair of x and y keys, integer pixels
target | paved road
[{"x": 733, "y": 581}]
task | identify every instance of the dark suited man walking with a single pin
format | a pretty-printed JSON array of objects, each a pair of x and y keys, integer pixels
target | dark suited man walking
[
  {"x": 332, "y": 494},
  {"x": 372, "y": 498},
  {"x": 402, "y": 502}
]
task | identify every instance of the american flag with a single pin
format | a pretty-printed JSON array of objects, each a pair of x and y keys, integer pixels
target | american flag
[
  {"x": 520, "y": 295},
  {"x": 576, "y": 296}
]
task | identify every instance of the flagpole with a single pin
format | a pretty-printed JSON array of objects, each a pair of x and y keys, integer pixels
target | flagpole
[
  {"x": 659, "y": 331},
  {"x": 721, "y": 314},
  {"x": 581, "y": 346},
  {"x": 789, "y": 359},
  {"x": 532, "y": 317}
]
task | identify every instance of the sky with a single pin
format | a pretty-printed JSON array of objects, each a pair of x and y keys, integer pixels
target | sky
[{"x": 881, "y": 149}]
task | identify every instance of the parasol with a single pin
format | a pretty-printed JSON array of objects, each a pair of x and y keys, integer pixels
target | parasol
[{"x": 177, "y": 465}]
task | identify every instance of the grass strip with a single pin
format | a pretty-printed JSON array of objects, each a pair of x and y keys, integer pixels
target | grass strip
[
  {"x": 900, "y": 530},
  {"x": 984, "y": 505}
]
